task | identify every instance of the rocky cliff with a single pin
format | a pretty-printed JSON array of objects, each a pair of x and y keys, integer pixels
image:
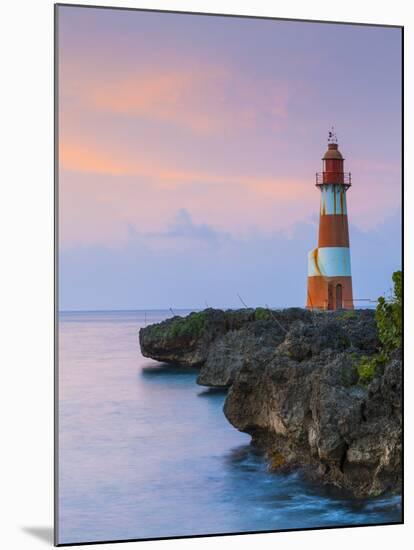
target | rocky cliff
[
  {"x": 200, "y": 338},
  {"x": 296, "y": 387}
]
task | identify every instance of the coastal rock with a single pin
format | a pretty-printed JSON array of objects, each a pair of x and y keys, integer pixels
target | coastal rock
[
  {"x": 306, "y": 408},
  {"x": 226, "y": 355},
  {"x": 186, "y": 341},
  {"x": 307, "y": 340},
  {"x": 294, "y": 386},
  {"x": 360, "y": 327}
]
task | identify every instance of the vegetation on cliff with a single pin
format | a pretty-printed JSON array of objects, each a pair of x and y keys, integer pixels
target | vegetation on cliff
[
  {"x": 388, "y": 316},
  {"x": 192, "y": 325},
  {"x": 262, "y": 314}
]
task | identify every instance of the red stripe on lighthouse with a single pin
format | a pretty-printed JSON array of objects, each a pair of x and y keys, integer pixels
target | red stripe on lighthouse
[{"x": 333, "y": 230}]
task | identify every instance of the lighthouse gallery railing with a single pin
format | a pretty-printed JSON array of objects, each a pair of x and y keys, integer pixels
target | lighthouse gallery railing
[{"x": 333, "y": 177}]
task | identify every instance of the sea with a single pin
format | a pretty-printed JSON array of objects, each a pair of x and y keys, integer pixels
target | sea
[{"x": 144, "y": 452}]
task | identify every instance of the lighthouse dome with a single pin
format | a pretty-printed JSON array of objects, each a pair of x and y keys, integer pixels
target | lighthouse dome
[{"x": 333, "y": 152}]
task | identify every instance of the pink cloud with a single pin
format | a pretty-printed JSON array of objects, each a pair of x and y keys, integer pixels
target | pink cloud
[
  {"x": 204, "y": 99},
  {"x": 87, "y": 159},
  {"x": 101, "y": 194},
  {"x": 98, "y": 209}
]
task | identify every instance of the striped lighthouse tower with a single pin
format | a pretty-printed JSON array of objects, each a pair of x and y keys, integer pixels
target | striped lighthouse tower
[{"x": 329, "y": 265}]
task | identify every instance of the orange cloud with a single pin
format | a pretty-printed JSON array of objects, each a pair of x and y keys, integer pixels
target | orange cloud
[
  {"x": 205, "y": 100},
  {"x": 85, "y": 159},
  {"x": 180, "y": 98},
  {"x": 101, "y": 194}
]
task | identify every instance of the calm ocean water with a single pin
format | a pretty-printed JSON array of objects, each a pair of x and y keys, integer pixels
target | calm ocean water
[{"x": 144, "y": 452}]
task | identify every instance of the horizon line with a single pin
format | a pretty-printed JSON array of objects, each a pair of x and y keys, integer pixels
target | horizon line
[
  {"x": 166, "y": 309},
  {"x": 178, "y": 309}
]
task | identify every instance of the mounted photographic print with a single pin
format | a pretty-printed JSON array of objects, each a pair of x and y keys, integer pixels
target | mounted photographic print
[{"x": 228, "y": 274}]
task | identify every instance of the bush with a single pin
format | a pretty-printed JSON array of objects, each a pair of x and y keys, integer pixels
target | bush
[
  {"x": 192, "y": 325},
  {"x": 262, "y": 314},
  {"x": 367, "y": 367},
  {"x": 389, "y": 317}
]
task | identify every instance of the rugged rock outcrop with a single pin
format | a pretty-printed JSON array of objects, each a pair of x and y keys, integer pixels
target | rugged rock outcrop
[
  {"x": 226, "y": 354},
  {"x": 295, "y": 387},
  {"x": 307, "y": 408},
  {"x": 187, "y": 341}
]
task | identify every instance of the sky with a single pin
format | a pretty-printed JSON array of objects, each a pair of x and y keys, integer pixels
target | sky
[{"x": 188, "y": 147}]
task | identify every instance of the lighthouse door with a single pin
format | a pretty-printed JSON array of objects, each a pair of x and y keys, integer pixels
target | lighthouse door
[
  {"x": 338, "y": 296},
  {"x": 330, "y": 297}
]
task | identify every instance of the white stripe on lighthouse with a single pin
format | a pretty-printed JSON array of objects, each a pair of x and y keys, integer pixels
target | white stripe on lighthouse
[
  {"x": 329, "y": 262},
  {"x": 333, "y": 199}
]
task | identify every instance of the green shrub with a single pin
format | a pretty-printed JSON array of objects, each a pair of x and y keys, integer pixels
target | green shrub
[
  {"x": 367, "y": 367},
  {"x": 262, "y": 314},
  {"x": 192, "y": 325},
  {"x": 389, "y": 317}
]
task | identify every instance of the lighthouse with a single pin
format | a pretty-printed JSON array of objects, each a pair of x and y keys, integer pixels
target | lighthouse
[{"x": 329, "y": 265}]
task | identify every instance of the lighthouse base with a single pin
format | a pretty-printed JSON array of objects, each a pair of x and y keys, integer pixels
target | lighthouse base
[{"x": 329, "y": 293}]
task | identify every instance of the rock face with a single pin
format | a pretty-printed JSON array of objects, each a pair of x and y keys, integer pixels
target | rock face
[
  {"x": 295, "y": 388},
  {"x": 187, "y": 341},
  {"x": 306, "y": 408},
  {"x": 226, "y": 354}
]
